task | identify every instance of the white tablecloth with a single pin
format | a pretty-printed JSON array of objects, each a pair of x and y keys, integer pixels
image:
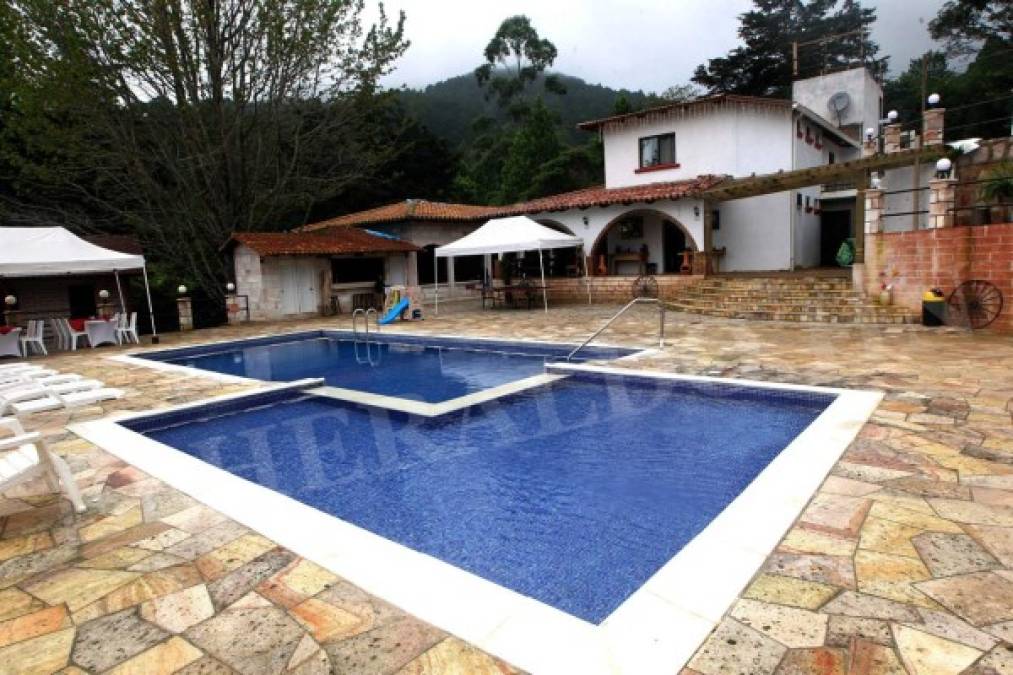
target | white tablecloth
[
  {"x": 100, "y": 332},
  {"x": 10, "y": 343}
]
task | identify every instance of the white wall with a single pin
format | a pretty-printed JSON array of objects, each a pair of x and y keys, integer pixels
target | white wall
[
  {"x": 866, "y": 94},
  {"x": 755, "y": 233},
  {"x": 728, "y": 139},
  {"x": 903, "y": 202}
]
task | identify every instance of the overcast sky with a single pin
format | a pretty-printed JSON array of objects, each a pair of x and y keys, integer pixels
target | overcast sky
[{"x": 637, "y": 44}]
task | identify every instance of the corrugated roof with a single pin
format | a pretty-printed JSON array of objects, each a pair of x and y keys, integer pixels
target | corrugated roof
[
  {"x": 409, "y": 209},
  {"x": 717, "y": 99}
]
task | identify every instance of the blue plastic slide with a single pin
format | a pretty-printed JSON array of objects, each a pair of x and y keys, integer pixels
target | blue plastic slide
[{"x": 394, "y": 312}]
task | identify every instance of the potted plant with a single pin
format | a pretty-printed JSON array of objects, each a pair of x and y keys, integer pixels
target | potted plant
[
  {"x": 885, "y": 289},
  {"x": 998, "y": 188}
]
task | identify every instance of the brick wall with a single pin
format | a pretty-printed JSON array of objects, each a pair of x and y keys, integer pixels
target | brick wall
[
  {"x": 916, "y": 261},
  {"x": 616, "y": 289}
]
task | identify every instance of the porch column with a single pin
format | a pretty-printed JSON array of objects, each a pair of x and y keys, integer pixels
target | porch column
[
  {"x": 450, "y": 276},
  {"x": 704, "y": 267},
  {"x": 942, "y": 196},
  {"x": 858, "y": 227}
]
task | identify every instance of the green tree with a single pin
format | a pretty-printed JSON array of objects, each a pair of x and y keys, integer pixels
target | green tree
[
  {"x": 533, "y": 145},
  {"x": 763, "y": 66},
  {"x": 963, "y": 24},
  {"x": 679, "y": 93},
  {"x": 515, "y": 58},
  {"x": 186, "y": 120}
]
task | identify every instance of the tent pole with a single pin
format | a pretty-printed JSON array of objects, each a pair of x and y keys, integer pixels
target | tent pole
[
  {"x": 151, "y": 309},
  {"x": 587, "y": 280},
  {"x": 119, "y": 289},
  {"x": 545, "y": 297},
  {"x": 436, "y": 282}
]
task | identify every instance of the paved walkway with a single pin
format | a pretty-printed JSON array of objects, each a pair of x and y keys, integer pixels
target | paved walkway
[{"x": 902, "y": 562}]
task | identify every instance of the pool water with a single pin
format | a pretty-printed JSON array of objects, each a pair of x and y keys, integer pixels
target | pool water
[
  {"x": 432, "y": 371},
  {"x": 573, "y": 493}
]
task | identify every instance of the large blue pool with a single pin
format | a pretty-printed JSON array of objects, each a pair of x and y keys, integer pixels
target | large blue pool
[
  {"x": 421, "y": 369},
  {"x": 573, "y": 493}
]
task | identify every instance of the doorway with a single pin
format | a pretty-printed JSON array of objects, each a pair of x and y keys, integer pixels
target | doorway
[
  {"x": 835, "y": 228},
  {"x": 81, "y": 298},
  {"x": 673, "y": 242}
]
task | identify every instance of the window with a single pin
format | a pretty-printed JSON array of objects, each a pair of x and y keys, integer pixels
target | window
[
  {"x": 831, "y": 158},
  {"x": 351, "y": 270},
  {"x": 657, "y": 151}
]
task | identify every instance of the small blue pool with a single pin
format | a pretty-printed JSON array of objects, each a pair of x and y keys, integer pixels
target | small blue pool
[
  {"x": 427, "y": 369},
  {"x": 573, "y": 493}
]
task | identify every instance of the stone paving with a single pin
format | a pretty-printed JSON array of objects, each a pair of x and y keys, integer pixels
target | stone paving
[{"x": 901, "y": 563}]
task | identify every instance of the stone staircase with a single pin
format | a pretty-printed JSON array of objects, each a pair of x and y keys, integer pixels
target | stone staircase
[{"x": 792, "y": 297}]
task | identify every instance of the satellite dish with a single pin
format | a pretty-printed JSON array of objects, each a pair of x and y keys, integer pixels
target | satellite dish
[{"x": 838, "y": 103}]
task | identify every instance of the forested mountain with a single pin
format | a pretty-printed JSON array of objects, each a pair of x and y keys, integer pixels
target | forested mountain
[{"x": 449, "y": 108}]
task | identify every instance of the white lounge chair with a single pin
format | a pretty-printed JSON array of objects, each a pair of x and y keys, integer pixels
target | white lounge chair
[
  {"x": 54, "y": 400},
  {"x": 33, "y": 337},
  {"x": 23, "y": 456},
  {"x": 72, "y": 335},
  {"x": 45, "y": 378},
  {"x": 16, "y": 365},
  {"x": 22, "y": 373},
  {"x": 126, "y": 331},
  {"x": 32, "y": 391}
]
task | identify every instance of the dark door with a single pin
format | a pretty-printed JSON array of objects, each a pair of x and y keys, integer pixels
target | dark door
[
  {"x": 81, "y": 298},
  {"x": 673, "y": 240},
  {"x": 835, "y": 227}
]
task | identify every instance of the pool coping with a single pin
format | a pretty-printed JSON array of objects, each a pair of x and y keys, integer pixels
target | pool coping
[{"x": 656, "y": 629}]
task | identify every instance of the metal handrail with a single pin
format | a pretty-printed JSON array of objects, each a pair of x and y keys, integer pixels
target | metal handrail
[
  {"x": 634, "y": 301},
  {"x": 365, "y": 315}
]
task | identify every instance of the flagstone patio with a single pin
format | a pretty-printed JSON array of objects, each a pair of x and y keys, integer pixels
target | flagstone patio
[{"x": 902, "y": 562}]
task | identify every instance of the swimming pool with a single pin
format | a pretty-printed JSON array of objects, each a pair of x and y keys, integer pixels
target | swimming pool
[
  {"x": 595, "y": 519},
  {"x": 429, "y": 369},
  {"x": 574, "y": 493}
]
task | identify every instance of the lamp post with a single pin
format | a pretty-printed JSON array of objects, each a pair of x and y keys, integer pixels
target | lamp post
[
  {"x": 184, "y": 308},
  {"x": 9, "y": 302},
  {"x": 103, "y": 306}
]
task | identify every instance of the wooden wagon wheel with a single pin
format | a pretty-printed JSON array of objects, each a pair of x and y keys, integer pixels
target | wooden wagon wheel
[
  {"x": 645, "y": 287},
  {"x": 974, "y": 303}
]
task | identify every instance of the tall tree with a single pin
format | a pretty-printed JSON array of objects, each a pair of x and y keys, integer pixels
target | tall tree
[
  {"x": 963, "y": 24},
  {"x": 763, "y": 66},
  {"x": 201, "y": 117},
  {"x": 515, "y": 58}
]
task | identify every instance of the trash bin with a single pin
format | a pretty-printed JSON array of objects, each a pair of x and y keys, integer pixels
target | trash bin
[{"x": 933, "y": 308}]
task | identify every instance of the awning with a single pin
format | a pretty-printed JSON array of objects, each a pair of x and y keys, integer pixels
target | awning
[
  {"x": 49, "y": 251},
  {"x": 508, "y": 235}
]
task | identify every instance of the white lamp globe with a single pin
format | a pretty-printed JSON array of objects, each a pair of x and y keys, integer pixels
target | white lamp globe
[
  {"x": 934, "y": 99},
  {"x": 876, "y": 182},
  {"x": 892, "y": 115},
  {"x": 11, "y": 300},
  {"x": 870, "y": 133},
  {"x": 230, "y": 287},
  {"x": 944, "y": 165},
  {"x": 103, "y": 294},
  {"x": 181, "y": 290}
]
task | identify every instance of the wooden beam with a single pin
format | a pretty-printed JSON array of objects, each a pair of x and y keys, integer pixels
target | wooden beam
[
  {"x": 858, "y": 217},
  {"x": 708, "y": 235}
]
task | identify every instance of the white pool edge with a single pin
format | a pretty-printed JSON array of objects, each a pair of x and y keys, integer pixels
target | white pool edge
[{"x": 656, "y": 630}]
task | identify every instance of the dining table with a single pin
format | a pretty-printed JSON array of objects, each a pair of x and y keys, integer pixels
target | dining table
[
  {"x": 10, "y": 341},
  {"x": 99, "y": 331}
]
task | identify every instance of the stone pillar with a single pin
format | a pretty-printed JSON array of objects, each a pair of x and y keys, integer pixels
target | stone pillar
[
  {"x": 184, "y": 306},
  {"x": 412, "y": 270},
  {"x": 942, "y": 192},
  {"x": 705, "y": 267},
  {"x": 869, "y": 147},
  {"x": 105, "y": 309},
  {"x": 873, "y": 210},
  {"x": 232, "y": 309},
  {"x": 891, "y": 138},
  {"x": 932, "y": 126}
]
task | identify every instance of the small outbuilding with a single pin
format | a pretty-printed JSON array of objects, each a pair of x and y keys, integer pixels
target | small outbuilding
[{"x": 289, "y": 274}]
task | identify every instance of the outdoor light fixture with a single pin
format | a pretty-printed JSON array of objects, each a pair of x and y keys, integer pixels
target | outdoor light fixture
[
  {"x": 943, "y": 167},
  {"x": 587, "y": 221},
  {"x": 696, "y": 211},
  {"x": 876, "y": 182},
  {"x": 231, "y": 287},
  {"x": 10, "y": 300},
  {"x": 870, "y": 133},
  {"x": 181, "y": 290},
  {"x": 934, "y": 99},
  {"x": 892, "y": 116},
  {"x": 103, "y": 294}
]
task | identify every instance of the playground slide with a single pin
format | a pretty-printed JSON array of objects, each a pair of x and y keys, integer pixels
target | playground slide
[{"x": 394, "y": 313}]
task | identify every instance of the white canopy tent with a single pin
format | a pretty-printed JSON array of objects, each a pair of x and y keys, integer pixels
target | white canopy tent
[
  {"x": 54, "y": 251},
  {"x": 515, "y": 234}
]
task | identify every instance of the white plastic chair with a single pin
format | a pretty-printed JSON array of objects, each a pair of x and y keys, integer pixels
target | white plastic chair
[
  {"x": 52, "y": 398},
  {"x": 72, "y": 335},
  {"x": 61, "y": 338},
  {"x": 126, "y": 331},
  {"x": 33, "y": 337},
  {"x": 23, "y": 456}
]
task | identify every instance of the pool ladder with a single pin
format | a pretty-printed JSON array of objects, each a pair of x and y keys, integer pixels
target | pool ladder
[
  {"x": 355, "y": 333},
  {"x": 634, "y": 301}
]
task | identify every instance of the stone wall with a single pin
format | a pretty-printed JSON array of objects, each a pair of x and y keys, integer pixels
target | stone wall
[
  {"x": 917, "y": 261},
  {"x": 616, "y": 289}
]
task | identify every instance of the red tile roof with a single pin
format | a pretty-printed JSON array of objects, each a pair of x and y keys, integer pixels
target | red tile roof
[
  {"x": 333, "y": 242},
  {"x": 602, "y": 196},
  {"x": 578, "y": 199},
  {"x": 409, "y": 209},
  {"x": 717, "y": 99}
]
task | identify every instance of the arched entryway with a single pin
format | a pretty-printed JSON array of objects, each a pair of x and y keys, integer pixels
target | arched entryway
[{"x": 641, "y": 241}]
